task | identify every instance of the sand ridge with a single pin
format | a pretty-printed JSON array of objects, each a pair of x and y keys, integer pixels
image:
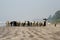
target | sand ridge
[{"x": 30, "y": 33}]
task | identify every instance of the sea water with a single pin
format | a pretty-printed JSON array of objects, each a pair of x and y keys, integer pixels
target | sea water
[{"x": 2, "y": 24}]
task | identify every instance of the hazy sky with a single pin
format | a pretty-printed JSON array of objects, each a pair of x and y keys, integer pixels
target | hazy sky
[{"x": 27, "y": 9}]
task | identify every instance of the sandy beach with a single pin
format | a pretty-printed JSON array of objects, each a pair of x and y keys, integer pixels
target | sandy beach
[{"x": 30, "y": 33}]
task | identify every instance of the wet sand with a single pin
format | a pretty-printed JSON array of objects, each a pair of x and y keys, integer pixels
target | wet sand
[{"x": 30, "y": 33}]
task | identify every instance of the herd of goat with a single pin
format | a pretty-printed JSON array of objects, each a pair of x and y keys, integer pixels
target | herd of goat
[{"x": 26, "y": 23}]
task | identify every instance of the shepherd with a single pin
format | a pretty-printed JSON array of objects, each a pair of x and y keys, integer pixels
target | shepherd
[{"x": 45, "y": 22}]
